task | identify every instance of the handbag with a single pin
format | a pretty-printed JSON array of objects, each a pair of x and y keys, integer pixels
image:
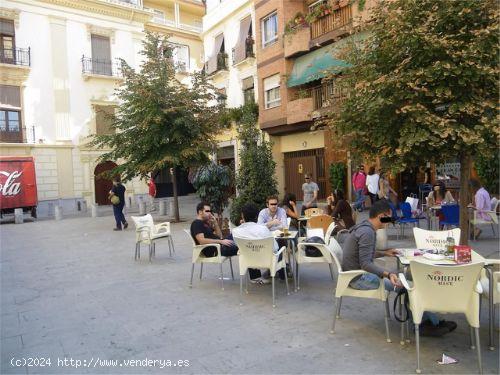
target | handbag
[{"x": 115, "y": 199}]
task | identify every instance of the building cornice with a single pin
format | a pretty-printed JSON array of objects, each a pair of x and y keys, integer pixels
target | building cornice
[
  {"x": 106, "y": 7},
  {"x": 152, "y": 26}
]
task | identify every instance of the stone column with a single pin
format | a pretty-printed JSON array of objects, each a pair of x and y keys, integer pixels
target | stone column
[
  {"x": 142, "y": 208},
  {"x": 95, "y": 213},
  {"x": 163, "y": 207}
]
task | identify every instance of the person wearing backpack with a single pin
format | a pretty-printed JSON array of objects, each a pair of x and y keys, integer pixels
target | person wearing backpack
[{"x": 117, "y": 198}]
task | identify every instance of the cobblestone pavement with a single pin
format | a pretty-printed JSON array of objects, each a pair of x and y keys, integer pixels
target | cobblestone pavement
[{"x": 71, "y": 292}]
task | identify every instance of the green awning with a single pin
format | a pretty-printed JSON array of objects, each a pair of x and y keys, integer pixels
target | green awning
[{"x": 315, "y": 65}]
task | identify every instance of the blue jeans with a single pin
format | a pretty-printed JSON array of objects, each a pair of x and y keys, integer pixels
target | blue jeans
[
  {"x": 370, "y": 281},
  {"x": 360, "y": 199},
  {"x": 119, "y": 217}
]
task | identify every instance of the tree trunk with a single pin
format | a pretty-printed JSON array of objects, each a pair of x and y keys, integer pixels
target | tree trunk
[
  {"x": 465, "y": 167},
  {"x": 176, "y": 198}
]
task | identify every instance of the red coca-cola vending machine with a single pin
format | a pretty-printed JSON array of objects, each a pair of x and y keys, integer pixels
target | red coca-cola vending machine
[{"x": 17, "y": 184}]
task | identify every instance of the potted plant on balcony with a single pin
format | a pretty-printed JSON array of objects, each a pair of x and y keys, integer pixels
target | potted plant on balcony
[
  {"x": 298, "y": 21},
  {"x": 221, "y": 61}
]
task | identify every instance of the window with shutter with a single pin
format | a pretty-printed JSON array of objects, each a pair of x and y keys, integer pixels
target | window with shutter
[
  {"x": 101, "y": 55},
  {"x": 7, "y": 41},
  {"x": 10, "y": 114}
]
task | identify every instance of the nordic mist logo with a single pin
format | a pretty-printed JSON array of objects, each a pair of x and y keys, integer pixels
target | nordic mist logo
[{"x": 442, "y": 279}]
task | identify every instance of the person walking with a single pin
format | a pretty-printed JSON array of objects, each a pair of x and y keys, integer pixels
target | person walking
[
  {"x": 117, "y": 198},
  {"x": 385, "y": 191},
  {"x": 372, "y": 184},
  {"x": 359, "y": 184}
]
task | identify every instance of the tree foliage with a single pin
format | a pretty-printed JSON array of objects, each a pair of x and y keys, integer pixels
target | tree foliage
[
  {"x": 255, "y": 179},
  {"x": 338, "y": 175},
  {"x": 487, "y": 168},
  {"x": 423, "y": 85},
  {"x": 213, "y": 183},
  {"x": 160, "y": 122}
]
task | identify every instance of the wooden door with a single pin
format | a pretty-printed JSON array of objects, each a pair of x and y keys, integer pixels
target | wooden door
[
  {"x": 102, "y": 185},
  {"x": 295, "y": 169}
]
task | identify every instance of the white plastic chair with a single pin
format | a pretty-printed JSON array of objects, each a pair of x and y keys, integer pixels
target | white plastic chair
[
  {"x": 302, "y": 258},
  {"x": 259, "y": 254},
  {"x": 445, "y": 289},
  {"x": 477, "y": 220},
  {"x": 485, "y": 283},
  {"x": 344, "y": 290},
  {"x": 494, "y": 204},
  {"x": 142, "y": 236},
  {"x": 199, "y": 257},
  {"x": 156, "y": 231},
  {"x": 434, "y": 239}
]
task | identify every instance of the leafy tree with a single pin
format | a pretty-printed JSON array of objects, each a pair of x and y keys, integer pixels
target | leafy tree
[
  {"x": 213, "y": 183},
  {"x": 487, "y": 168},
  {"x": 160, "y": 122},
  {"x": 423, "y": 86},
  {"x": 338, "y": 175},
  {"x": 255, "y": 179}
]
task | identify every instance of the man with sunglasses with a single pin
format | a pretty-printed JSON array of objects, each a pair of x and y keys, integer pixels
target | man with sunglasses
[
  {"x": 273, "y": 217},
  {"x": 359, "y": 253},
  {"x": 310, "y": 190},
  {"x": 206, "y": 230}
]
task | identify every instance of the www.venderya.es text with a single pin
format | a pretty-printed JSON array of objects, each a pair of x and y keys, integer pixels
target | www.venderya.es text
[{"x": 96, "y": 362}]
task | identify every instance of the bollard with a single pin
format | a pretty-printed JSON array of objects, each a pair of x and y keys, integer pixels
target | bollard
[
  {"x": 94, "y": 211},
  {"x": 58, "y": 212},
  {"x": 381, "y": 239},
  {"x": 84, "y": 206},
  {"x": 142, "y": 208},
  {"x": 163, "y": 207},
  {"x": 18, "y": 216}
]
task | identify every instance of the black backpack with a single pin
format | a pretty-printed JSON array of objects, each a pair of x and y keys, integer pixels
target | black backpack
[{"x": 313, "y": 251}]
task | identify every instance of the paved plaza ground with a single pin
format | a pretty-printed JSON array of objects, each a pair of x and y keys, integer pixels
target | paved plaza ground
[{"x": 71, "y": 289}]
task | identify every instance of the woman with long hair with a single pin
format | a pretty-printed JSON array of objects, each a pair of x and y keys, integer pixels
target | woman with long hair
[
  {"x": 340, "y": 210},
  {"x": 384, "y": 188},
  {"x": 289, "y": 204},
  {"x": 439, "y": 195}
]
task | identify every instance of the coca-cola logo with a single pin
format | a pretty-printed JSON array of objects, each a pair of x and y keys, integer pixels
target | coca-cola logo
[{"x": 10, "y": 187}]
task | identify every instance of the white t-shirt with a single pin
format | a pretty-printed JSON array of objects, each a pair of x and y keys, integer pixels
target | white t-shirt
[
  {"x": 372, "y": 183},
  {"x": 254, "y": 231}
]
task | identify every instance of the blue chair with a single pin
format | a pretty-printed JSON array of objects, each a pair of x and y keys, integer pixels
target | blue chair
[
  {"x": 407, "y": 217},
  {"x": 451, "y": 213}
]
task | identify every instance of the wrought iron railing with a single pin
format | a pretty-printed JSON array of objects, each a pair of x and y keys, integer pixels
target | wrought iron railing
[
  {"x": 249, "y": 52},
  {"x": 332, "y": 21},
  {"x": 15, "y": 56},
  {"x": 327, "y": 95},
  {"x": 101, "y": 67}
]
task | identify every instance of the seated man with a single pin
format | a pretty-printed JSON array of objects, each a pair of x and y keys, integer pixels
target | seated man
[
  {"x": 250, "y": 230},
  {"x": 206, "y": 230},
  {"x": 359, "y": 253},
  {"x": 273, "y": 217}
]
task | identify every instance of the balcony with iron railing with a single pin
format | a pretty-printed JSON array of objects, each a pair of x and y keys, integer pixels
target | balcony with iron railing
[
  {"x": 331, "y": 24},
  {"x": 326, "y": 96},
  {"x": 221, "y": 64},
  {"x": 249, "y": 52},
  {"x": 15, "y": 56},
  {"x": 100, "y": 67},
  {"x": 161, "y": 20}
]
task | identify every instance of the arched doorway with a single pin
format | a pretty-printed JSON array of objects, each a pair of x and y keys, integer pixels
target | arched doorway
[{"x": 102, "y": 185}]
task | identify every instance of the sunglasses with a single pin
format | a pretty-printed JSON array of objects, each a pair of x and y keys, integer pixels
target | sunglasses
[
  {"x": 307, "y": 178},
  {"x": 208, "y": 211},
  {"x": 273, "y": 204}
]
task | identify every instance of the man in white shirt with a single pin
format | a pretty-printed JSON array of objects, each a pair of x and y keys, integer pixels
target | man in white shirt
[
  {"x": 273, "y": 217},
  {"x": 250, "y": 230}
]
